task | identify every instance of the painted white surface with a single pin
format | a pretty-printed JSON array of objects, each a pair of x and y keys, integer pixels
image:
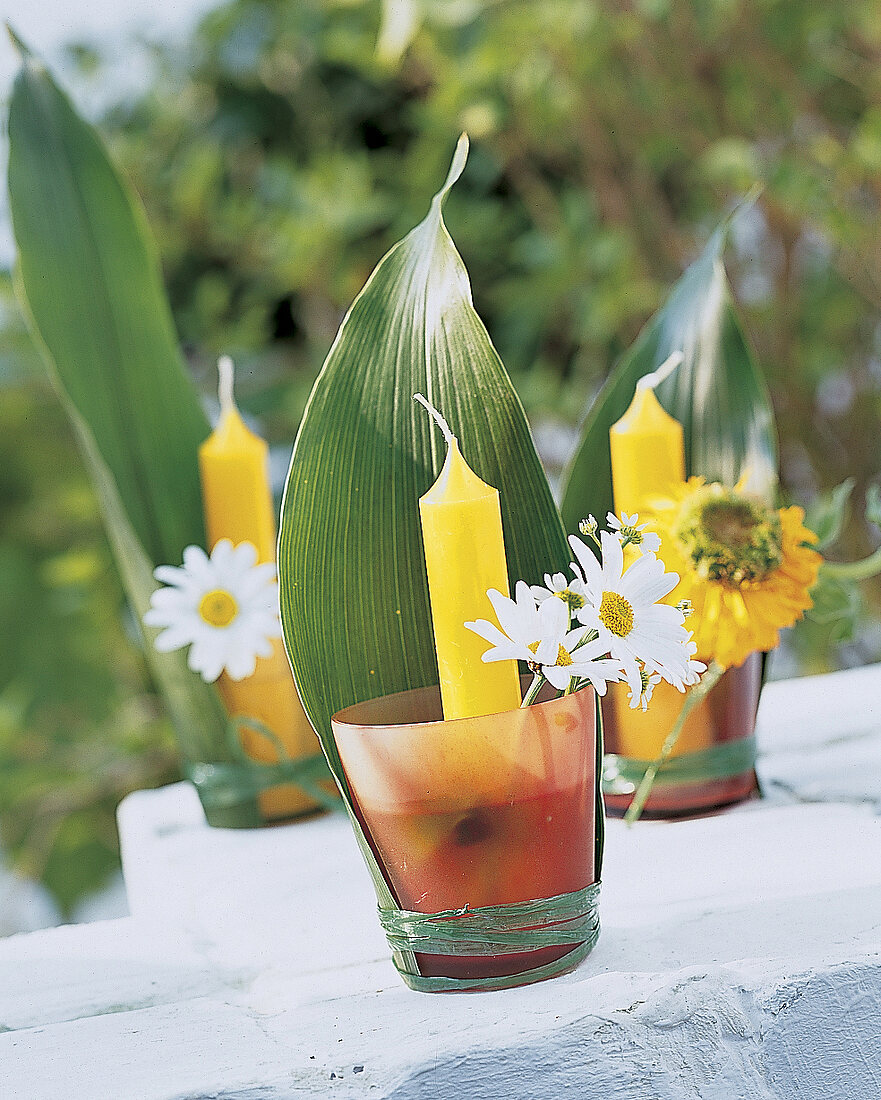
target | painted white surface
[{"x": 740, "y": 957}]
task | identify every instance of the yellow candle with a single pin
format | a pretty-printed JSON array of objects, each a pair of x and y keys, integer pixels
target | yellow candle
[
  {"x": 647, "y": 446},
  {"x": 464, "y": 556},
  {"x": 648, "y": 457},
  {"x": 237, "y": 500}
]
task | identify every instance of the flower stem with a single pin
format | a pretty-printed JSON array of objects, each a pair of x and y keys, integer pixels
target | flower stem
[
  {"x": 533, "y": 690},
  {"x": 854, "y": 570},
  {"x": 697, "y": 694}
]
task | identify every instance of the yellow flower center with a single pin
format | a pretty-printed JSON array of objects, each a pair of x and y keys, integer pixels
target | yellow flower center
[
  {"x": 571, "y": 598},
  {"x": 730, "y": 538},
  {"x": 218, "y": 608},
  {"x": 564, "y": 658},
  {"x": 533, "y": 646},
  {"x": 616, "y": 614}
]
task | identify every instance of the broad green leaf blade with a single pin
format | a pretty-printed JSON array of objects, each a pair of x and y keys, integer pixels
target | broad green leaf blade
[
  {"x": 717, "y": 393},
  {"x": 194, "y": 707},
  {"x": 354, "y": 596},
  {"x": 92, "y": 284}
]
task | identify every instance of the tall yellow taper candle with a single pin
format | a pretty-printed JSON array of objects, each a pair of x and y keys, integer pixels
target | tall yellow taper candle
[
  {"x": 648, "y": 457},
  {"x": 647, "y": 445},
  {"x": 237, "y": 500},
  {"x": 464, "y": 556}
]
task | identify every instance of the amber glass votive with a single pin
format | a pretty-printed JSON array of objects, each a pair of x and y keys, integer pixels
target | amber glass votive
[
  {"x": 475, "y": 812},
  {"x": 728, "y": 714}
]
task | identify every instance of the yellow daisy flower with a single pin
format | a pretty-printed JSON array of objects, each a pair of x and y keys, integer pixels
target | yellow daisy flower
[{"x": 744, "y": 567}]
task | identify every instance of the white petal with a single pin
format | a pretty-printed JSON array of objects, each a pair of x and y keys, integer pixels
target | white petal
[
  {"x": 240, "y": 664},
  {"x": 244, "y": 557},
  {"x": 558, "y": 675},
  {"x": 171, "y": 574},
  {"x": 645, "y": 581},
  {"x": 553, "y": 617},
  {"x": 515, "y": 616},
  {"x": 590, "y": 567},
  {"x": 206, "y": 658},
  {"x": 171, "y": 639},
  {"x": 198, "y": 565},
  {"x": 502, "y": 648},
  {"x": 613, "y": 561}
]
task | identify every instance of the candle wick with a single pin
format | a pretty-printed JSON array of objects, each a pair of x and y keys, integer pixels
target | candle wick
[
  {"x": 649, "y": 381},
  {"x": 225, "y": 371},
  {"x": 441, "y": 423}
]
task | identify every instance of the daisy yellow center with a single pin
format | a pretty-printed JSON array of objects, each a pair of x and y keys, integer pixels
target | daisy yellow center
[
  {"x": 731, "y": 539},
  {"x": 571, "y": 598},
  {"x": 616, "y": 614},
  {"x": 564, "y": 658},
  {"x": 533, "y": 646},
  {"x": 218, "y": 608}
]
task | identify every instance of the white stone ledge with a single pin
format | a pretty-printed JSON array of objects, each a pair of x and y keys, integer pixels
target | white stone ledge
[{"x": 739, "y": 957}]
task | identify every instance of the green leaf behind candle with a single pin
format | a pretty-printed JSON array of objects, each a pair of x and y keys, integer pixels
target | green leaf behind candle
[
  {"x": 717, "y": 393},
  {"x": 89, "y": 284},
  {"x": 354, "y": 595},
  {"x": 90, "y": 276}
]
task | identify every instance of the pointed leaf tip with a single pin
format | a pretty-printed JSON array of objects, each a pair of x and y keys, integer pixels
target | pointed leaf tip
[
  {"x": 457, "y": 167},
  {"x": 20, "y": 46}
]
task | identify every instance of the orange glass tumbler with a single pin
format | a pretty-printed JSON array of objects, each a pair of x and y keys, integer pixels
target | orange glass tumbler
[{"x": 476, "y": 812}]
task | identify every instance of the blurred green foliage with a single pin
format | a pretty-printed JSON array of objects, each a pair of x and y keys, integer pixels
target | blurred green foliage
[{"x": 285, "y": 146}]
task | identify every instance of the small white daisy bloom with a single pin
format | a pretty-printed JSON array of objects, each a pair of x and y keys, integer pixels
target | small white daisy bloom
[
  {"x": 530, "y": 632},
  {"x": 629, "y": 530},
  {"x": 570, "y": 592},
  {"x": 621, "y": 607},
  {"x": 225, "y": 608}
]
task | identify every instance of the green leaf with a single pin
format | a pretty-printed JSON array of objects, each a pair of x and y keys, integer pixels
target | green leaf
[
  {"x": 195, "y": 707},
  {"x": 826, "y": 515},
  {"x": 354, "y": 595},
  {"x": 89, "y": 287},
  {"x": 717, "y": 394},
  {"x": 92, "y": 284}
]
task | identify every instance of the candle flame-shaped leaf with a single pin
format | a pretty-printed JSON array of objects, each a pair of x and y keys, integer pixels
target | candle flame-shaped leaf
[
  {"x": 354, "y": 595},
  {"x": 717, "y": 393}
]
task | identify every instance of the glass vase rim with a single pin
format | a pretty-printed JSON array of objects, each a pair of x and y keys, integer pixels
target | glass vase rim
[{"x": 340, "y": 719}]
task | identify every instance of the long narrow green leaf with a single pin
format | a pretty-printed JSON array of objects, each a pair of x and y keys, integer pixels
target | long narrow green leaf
[
  {"x": 194, "y": 707},
  {"x": 92, "y": 284},
  {"x": 89, "y": 286},
  {"x": 354, "y": 596},
  {"x": 717, "y": 393}
]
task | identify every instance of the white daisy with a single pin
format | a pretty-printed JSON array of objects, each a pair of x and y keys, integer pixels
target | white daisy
[
  {"x": 224, "y": 607},
  {"x": 629, "y": 531},
  {"x": 620, "y": 605},
  {"x": 529, "y": 632}
]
